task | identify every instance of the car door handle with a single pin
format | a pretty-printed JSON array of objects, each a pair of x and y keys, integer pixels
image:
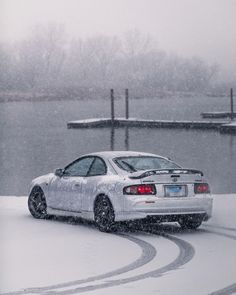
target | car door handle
[{"x": 77, "y": 184}]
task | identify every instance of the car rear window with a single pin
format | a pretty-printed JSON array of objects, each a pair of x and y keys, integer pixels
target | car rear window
[{"x": 136, "y": 163}]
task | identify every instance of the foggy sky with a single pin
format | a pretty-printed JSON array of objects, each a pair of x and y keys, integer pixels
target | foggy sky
[{"x": 187, "y": 27}]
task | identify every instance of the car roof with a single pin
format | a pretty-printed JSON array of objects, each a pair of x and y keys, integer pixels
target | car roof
[{"x": 115, "y": 154}]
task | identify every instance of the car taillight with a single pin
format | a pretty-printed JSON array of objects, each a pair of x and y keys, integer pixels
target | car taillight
[
  {"x": 140, "y": 189},
  {"x": 201, "y": 188}
]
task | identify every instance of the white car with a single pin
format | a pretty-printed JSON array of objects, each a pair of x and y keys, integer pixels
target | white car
[{"x": 112, "y": 186}]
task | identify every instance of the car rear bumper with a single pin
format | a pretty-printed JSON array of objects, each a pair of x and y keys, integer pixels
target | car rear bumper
[{"x": 137, "y": 208}]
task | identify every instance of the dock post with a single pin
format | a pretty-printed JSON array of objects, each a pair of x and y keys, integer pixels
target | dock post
[
  {"x": 126, "y": 138},
  {"x": 126, "y": 103},
  {"x": 112, "y": 138},
  {"x": 112, "y": 107},
  {"x": 231, "y": 104}
]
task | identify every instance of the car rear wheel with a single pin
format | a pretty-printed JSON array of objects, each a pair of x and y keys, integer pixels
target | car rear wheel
[
  {"x": 37, "y": 203},
  {"x": 190, "y": 222},
  {"x": 104, "y": 215}
]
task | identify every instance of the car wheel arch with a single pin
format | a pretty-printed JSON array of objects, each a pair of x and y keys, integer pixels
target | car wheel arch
[
  {"x": 37, "y": 203},
  {"x": 104, "y": 214},
  {"x": 36, "y": 187},
  {"x": 99, "y": 197}
]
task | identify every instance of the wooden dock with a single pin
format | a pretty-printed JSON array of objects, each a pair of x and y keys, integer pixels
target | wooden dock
[
  {"x": 133, "y": 122},
  {"x": 223, "y": 126},
  {"x": 222, "y": 115},
  {"x": 228, "y": 128},
  {"x": 218, "y": 115}
]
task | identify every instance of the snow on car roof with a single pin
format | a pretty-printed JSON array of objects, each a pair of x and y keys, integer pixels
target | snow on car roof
[{"x": 114, "y": 154}]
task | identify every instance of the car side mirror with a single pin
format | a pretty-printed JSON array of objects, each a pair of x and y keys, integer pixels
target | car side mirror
[{"x": 59, "y": 172}]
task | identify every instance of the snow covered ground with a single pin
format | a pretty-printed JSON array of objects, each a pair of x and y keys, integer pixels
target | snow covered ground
[{"x": 63, "y": 257}]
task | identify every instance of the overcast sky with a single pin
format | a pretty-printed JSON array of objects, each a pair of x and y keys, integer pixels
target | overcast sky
[{"x": 205, "y": 28}]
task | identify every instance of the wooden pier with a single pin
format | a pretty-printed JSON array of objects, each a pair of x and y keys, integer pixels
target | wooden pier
[
  {"x": 223, "y": 126},
  {"x": 222, "y": 115},
  {"x": 133, "y": 122},
  {"x": 228, "y": 128},
  {"x": 218, "y": 115}
]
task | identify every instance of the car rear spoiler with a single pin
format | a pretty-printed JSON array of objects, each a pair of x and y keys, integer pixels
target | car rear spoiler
[{"x": 165, "y": 171}]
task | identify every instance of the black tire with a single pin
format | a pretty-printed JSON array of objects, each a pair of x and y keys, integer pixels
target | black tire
[
  {"x": 190, "y": 222},
  {"x": 37, "y": 203},
  {"x": 104, "y": 215}
]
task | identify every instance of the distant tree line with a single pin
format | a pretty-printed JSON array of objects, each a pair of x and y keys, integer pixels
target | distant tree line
[{"x": 49, "y": 60}]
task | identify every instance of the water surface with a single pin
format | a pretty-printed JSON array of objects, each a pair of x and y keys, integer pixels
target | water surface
[{"x": 34, "y": 139}]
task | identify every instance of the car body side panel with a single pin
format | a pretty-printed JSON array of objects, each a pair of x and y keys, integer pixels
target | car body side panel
[
  {"x": 110, "y": 186},
  {"x": 65, "y": 193}
]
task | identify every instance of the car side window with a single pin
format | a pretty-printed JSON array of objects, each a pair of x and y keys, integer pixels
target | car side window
[
  {"x": 98, "y": 167},
  {"x": 79, "y": 168}
]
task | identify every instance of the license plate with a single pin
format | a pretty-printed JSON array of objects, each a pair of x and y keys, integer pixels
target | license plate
[{"x": 175, "y": 190}]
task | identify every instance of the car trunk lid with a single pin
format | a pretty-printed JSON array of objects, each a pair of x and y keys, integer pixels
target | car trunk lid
[{"x": 168, "y": 176}]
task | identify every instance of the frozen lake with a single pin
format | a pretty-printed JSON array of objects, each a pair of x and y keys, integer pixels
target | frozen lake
[{"x": 34, "y": 139}]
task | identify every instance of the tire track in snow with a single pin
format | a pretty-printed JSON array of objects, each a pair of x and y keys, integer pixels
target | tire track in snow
[
  {"x": 184, "y": 257},
  {"x": 148, "y": 254},
  {"x": 220, "y": 227},
  {"x": 186, "y": 253},
  {"x": 230, "y": 289},
  {"x": 215, "y": 230}
]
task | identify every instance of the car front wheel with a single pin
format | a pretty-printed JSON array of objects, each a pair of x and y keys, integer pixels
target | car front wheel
[
  {"x": 37, "y": 203},
  {"x": 104, "y": 215}
]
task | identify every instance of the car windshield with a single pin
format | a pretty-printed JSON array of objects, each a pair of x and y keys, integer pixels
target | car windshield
[{"x": 136, "y": 163}]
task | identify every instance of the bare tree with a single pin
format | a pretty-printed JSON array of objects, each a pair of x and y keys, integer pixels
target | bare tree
[
  {"x": 41, "y": 56},
  {"x": 6, "y": 67},
  {"x": 135, "y": 43},
  {"x": 90, "y": 62},
  {"x": 47, "y": 61}
]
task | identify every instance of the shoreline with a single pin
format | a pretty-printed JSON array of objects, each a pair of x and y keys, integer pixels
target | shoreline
[{"x": 97, "y": 94}]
